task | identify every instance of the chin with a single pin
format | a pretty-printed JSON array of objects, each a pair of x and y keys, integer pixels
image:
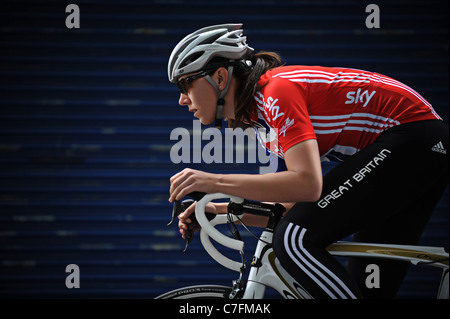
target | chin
[{"x": 206, "y": 122}]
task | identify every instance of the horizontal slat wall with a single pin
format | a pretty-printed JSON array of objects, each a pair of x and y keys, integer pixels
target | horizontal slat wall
[{"x": 86, "y": 116}]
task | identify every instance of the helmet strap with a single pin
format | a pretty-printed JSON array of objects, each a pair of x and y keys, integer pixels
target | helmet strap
[{"x": 220, "y": 96}]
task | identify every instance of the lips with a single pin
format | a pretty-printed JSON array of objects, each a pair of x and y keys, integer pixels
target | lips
[{"x": 194, "y": 111}]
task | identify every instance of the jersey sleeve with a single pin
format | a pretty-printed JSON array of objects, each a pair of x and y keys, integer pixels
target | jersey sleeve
[{"x": 286, "y": 110}]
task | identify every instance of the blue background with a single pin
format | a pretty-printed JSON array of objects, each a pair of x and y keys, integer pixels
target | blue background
[{"x": 86, "y": 116}]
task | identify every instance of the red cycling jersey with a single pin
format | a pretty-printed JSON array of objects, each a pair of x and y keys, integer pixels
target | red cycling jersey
[{"x": 345, "y": 110}]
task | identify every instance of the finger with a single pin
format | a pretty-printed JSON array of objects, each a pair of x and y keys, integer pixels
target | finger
[
  {"x": 188, "y": 211},
  {"x": 182, "y": 189},
  {"x": 196, "y": 228},
  {"x": 175, "y": 176},
  {"x": 185, "y": 172},
  {"x": 175, "y": 180},
  {"x": 184, "y": 224},
  {"x": 185, "y": 221},
  {"x": 189, "y": 185},
  {"x": 176, "y": 183}
]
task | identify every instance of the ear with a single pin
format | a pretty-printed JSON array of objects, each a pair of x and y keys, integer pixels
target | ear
[{"x": 221, "y": 78}]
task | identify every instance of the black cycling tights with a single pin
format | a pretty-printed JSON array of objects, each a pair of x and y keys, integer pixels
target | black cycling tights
[{"x": 385, "y": 193}]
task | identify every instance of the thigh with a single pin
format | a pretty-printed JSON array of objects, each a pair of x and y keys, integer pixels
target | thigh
[
  {"x": 405, "y": 227},
  {"x": 376, "y": 183}
]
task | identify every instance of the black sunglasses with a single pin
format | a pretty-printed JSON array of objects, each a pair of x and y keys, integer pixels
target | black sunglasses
[{"x": 185, "y": 83}]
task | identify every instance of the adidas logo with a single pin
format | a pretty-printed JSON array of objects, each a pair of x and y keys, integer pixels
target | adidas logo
[{"x": 439, "y": 147}]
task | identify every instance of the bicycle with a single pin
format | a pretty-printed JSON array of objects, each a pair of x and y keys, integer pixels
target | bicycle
[{"x": 266, "y": 270}]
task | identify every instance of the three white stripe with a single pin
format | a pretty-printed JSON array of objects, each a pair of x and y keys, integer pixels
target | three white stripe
[
  {"x": 372, "y": 123},
  {"x": 322, "y": 276},
  {"x": 316, "y": 76}
]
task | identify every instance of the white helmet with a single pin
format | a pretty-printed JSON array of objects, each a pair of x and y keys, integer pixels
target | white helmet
[{"x": 195, "y": 51}]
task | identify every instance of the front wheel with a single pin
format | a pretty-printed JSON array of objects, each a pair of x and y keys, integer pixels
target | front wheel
[{"x": 198, "y": 292}]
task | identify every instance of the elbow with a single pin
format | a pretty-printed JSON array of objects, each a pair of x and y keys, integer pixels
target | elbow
[
  {"x": 311, "y": 189},
  {"x": 315, "y": 190},
  {"x": 316, "y": 196}
]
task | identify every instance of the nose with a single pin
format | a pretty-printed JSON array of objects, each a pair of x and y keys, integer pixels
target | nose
[{"x": 184, "y": 99}]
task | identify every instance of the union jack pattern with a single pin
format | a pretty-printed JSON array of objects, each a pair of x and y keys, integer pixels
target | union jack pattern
[{"x": 344, "y": 109}]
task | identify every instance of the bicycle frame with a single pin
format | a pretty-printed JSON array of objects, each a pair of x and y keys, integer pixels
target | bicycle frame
[{"x": 266, "y": 270}]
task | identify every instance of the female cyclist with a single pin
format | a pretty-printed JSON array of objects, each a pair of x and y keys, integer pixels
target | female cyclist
[{"x": 392, "y": 149}]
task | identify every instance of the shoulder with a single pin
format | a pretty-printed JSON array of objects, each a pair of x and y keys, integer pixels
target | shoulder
[
  {"x": 278, "y": 83},
  {"x": 281, "y": 99}
]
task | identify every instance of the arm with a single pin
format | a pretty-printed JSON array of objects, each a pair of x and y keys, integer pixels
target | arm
[{"x": 302, "y": 182}]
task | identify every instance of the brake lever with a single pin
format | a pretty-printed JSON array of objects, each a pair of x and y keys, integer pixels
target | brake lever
[
  {"x": 189, "y": 234},
  {"x": 181, "y": 206},
  {"x": 178, "y": 208},
  {"x": 177, "y": 205}
]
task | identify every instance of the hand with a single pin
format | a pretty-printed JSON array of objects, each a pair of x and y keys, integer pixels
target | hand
[
  {"x": 190, "y": 180},
  {"x": 185, "y": 222}
]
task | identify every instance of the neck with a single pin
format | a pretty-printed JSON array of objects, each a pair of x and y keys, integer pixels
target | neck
[{"x": 228, "y": 108}]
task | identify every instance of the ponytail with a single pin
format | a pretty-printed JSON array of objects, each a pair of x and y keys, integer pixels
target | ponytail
[{"x": 247, "y": 85}]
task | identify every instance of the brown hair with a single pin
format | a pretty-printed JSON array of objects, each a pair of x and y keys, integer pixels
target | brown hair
[{"x": 247, "y": 85}]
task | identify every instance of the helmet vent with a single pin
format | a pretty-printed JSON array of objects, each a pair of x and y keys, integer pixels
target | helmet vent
[{"x": 192, "y": 58}]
